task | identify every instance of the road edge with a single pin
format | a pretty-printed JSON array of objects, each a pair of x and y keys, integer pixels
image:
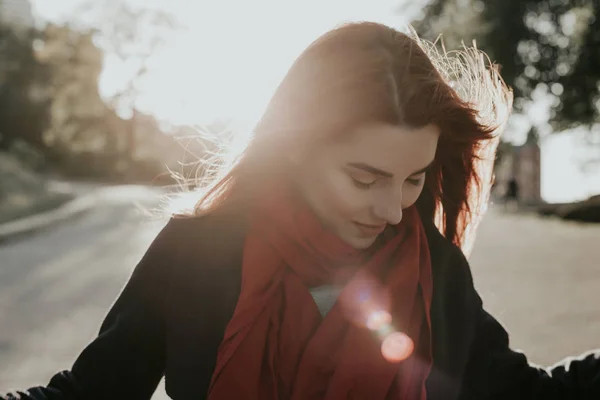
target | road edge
[{"x": 38, "y": 221}]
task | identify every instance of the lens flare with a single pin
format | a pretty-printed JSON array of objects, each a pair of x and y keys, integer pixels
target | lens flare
[
  {"x": 397, "y": 347},
  {"x": 366, "y": 303},
  {"x": 378, "y": 319}
]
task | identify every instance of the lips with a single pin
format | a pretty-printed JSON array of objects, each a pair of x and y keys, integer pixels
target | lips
[{"x": 370, "y": 230}]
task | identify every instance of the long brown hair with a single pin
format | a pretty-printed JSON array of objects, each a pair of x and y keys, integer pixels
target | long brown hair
[{"x": 361, "y": 72}]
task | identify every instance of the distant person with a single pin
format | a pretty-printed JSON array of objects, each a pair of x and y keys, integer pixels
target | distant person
[
  {"x": 511, "y": 198},
  {"x": 327, "y": 261}
]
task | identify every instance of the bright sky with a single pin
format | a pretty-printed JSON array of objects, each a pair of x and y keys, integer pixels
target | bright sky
[
  {"x": 231, "y": 56},
  {"x": 563, "y": 180}
]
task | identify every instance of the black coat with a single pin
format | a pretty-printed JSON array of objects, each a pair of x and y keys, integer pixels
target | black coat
[{"x": 171, "y": 316}]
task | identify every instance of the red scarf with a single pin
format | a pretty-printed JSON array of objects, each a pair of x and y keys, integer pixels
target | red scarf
[{"x": 277, "y": 346}]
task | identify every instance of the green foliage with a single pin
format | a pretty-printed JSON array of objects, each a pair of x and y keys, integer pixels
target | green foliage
[
  {"x": 23, "y": 105},
  {"x": 548, "y": 43},
  {"x": 50, "y": 101}
]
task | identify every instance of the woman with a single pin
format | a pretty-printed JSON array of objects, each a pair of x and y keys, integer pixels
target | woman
[{"x": 327, "y": 260}]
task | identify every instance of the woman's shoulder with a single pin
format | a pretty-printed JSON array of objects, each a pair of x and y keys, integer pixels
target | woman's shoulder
[
  {"x": 441, "y": 247},
  {"x": 447, "y": 259},
  {"x": 186, "y": 236}
]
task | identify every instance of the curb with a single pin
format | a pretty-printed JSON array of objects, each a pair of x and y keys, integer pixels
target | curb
[{"x": 42, "y": 220}]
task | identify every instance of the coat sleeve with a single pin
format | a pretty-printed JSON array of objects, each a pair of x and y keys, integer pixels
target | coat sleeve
[
  {"x": 127, "y": 359},
  {"x": 495, "y": 371}
]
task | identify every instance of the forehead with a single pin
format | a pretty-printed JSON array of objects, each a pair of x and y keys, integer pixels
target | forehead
[{"x": 388, "y": 147}]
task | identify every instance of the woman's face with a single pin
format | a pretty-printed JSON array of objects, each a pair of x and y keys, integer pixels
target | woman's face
[{"x": 358, "y": 185}]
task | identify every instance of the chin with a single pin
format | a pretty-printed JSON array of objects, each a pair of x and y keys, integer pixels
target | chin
[{"x": 360, "y": 243}]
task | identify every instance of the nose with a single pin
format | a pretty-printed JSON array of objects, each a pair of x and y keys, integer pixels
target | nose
[{"x": 389, "y": 210}]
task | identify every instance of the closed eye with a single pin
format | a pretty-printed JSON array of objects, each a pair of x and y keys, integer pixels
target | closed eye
[
  {"x": 363, "y": 184},
  {"x": 416, "y": 181}
]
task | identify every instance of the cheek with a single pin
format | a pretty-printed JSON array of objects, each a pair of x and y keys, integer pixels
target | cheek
[
  {"x": 411, "y": 194},
  {"x": 340, "y": 197}
]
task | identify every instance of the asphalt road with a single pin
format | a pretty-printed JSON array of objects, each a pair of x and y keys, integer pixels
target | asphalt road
[
  {"x": 57, "y": 285},
  {"x": 539, "y": 277}
]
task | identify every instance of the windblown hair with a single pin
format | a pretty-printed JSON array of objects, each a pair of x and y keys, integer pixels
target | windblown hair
[{"x": 364, "y": 72}]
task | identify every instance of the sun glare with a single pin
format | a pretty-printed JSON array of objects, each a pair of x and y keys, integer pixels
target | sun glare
[
  {"x": 232, "y": 55},
  {"x": 228, "y": 56}
]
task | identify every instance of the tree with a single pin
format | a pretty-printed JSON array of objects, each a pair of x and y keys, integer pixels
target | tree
[
  {"x": 50, "y": 98},
  {"x": 132, "y": 34},
  {"x": 547, "y": 44},
  {"x": 23, "y": 104},
  {"x": 77, "y": 113}
]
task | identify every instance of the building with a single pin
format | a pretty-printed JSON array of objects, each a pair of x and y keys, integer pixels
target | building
[
  {"x": 562, "y": 167},
  {"x": 528, "y": 173},
  {"x": 17, "y": 13},
  {"x": 523, "y": 164}
]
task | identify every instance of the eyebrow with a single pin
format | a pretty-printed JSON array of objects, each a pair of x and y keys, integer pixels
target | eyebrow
[
  {"x": 370, "y": 169},
  {"x": 376, "y": 171}
]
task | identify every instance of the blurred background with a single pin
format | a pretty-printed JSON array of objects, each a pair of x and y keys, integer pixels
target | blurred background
[{"x": 101, "y": 104}]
